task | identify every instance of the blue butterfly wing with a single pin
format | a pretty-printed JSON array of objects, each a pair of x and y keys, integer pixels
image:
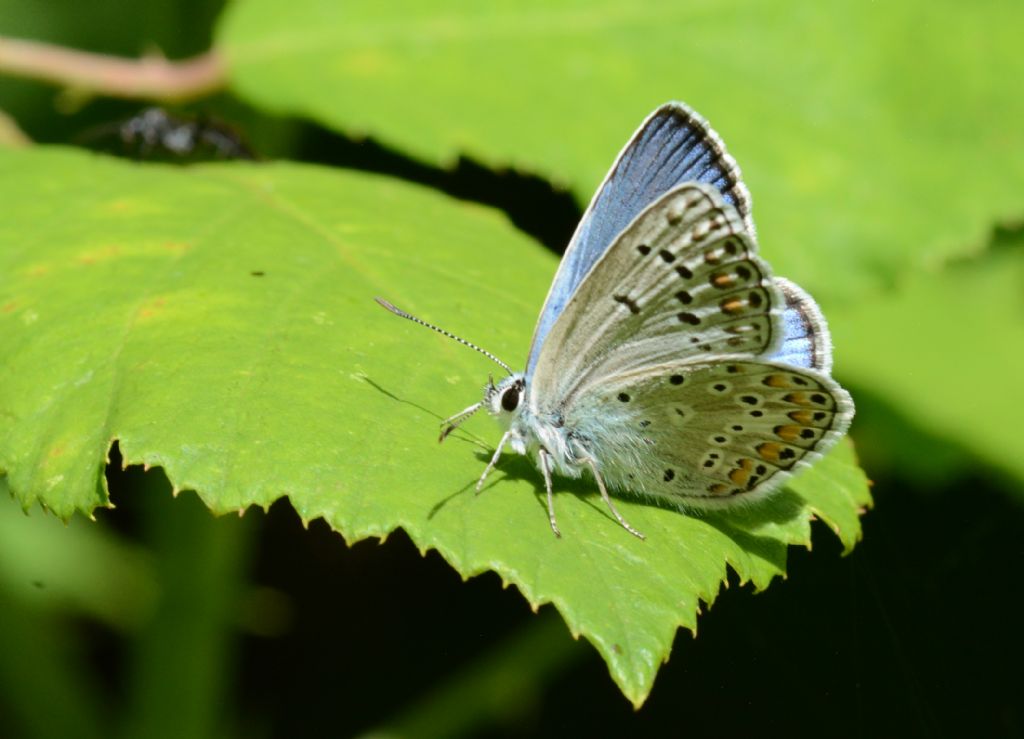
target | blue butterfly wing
[
  {"x": 806, "y": 341},
  {"x": 674, "y": 145}
]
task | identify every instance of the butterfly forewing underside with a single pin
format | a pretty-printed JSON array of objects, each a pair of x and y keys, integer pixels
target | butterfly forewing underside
[
  {"x": 682, "y": 282},
  {"x": 673, "y": 145}
]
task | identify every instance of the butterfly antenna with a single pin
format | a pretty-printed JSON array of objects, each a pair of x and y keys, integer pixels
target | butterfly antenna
[{"x": 471, "y": 345}]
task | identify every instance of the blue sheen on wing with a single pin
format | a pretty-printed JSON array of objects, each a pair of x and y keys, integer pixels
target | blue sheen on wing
[
  {"x": 797, "y": 348},
  {"x": 806, "y": 341},
  {"x": 674, "y": 145}
]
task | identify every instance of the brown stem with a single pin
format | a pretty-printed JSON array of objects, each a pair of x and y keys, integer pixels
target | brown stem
[{"x": 151, "y": 77}]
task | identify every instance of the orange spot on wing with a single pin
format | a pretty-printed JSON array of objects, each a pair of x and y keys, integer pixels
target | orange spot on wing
[
  {"x": 713, "y": 256},
  {"x": 811, "y": 398},
  {"x": 788, "y": 433},
  {"x": 739, "y": 476},
  {"x": 804, "y": 418}
]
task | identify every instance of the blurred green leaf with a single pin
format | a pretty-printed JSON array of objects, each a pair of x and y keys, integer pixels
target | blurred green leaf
[
  {"x": 874, "y": 136},
  {"x": 179, "y": 676},
  {"x": 219, "y": 322},
  {"x": 48, "y": 688},
  {"x": 947, "y": 349},
  {"x": 51, "y": 566},
  {"x": 890, "y": 444}
]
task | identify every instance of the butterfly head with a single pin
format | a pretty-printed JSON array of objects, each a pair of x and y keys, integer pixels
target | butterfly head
[{"x": 505, "y": 400}]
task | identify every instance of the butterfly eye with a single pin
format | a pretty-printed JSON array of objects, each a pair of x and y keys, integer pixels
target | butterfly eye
[{"x": 510, "y": 399}]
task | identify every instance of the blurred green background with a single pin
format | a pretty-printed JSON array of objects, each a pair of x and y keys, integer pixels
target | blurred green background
[{"x": 890, "y": 140}]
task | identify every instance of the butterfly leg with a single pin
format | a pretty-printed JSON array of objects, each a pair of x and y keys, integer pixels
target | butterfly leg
[
  {"x": 608, "y": 501},
  {"x": 494, "y": 460},
  {"x": 450, "y": 424},
  {"x": 545, "y": 466}
]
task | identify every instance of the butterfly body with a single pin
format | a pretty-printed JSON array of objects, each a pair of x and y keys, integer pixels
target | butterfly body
[
  {"x": 529, "y": 430},
  {"x": 668, "y": 361}
]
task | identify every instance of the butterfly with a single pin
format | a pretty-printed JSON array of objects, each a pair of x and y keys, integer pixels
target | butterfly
[{"x": 668, "y": 361}]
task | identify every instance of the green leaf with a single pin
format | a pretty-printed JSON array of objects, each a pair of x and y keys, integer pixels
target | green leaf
[
  {"x": 47, "y": 565},
  {"x": 893, "y": 444},
  {"x": 947, "y": 349},
  {"x": 219, "y": 322},
  {"x": 873, "y": 136}
]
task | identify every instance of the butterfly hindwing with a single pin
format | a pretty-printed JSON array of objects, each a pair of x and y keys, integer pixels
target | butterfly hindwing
[
  {"x": 706, "y": 433},
  {"x": 672, "y": 146},
  {"x": 681, "y": 282}
]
